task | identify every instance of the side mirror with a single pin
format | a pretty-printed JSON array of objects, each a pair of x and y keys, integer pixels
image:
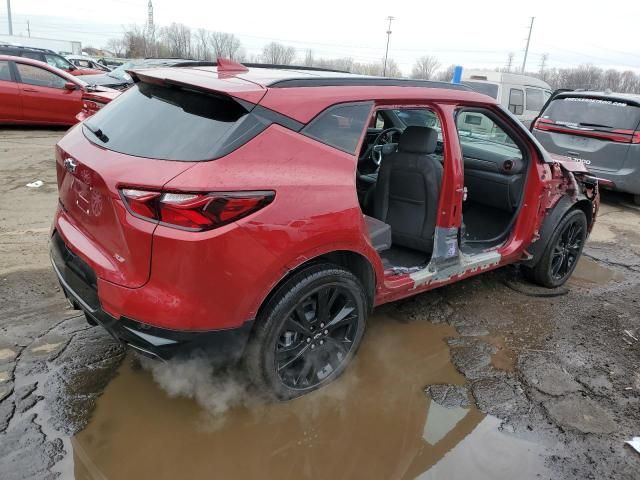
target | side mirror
[{"x": 70, "y": 86}]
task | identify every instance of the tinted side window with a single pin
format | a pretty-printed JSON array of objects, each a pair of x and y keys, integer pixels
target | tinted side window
[
  {"x": 57, "y": 61},
  {"x": 535, "y": 99},
  {"x": 340, "y": 126},
  {"x": 5, "y": 73},
  {"x": 31, "y": 55},
  {"x": 39, "y": 76},
  {"x": 516, "y": 101}
]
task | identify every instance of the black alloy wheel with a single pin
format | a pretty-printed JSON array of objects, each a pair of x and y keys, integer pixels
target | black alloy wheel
[
  {"x": 316, "y": 337},
  {"x": 308, "y": 331},
  {"x": 562, "y": 253},
  {"x": 567, "y": 250}
]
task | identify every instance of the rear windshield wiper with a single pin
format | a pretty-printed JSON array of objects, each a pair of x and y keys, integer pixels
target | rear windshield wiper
[
  {"x": 97, "y": 132},
  {"x": 595, "y": 125}
]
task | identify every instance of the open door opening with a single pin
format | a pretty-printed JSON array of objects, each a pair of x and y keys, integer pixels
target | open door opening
[
  {"x": 495, "y": 167},
  {"x": 399, "y": 178}
]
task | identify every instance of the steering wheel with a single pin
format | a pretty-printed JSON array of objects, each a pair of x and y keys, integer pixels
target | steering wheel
[{"x": 379, "y": 143}]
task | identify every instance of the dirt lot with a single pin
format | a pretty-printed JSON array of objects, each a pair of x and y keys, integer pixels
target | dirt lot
[{"x": 488, "y": 378}]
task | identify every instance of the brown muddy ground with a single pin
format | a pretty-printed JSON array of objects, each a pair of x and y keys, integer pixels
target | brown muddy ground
[{"x": 483, "y": 379}]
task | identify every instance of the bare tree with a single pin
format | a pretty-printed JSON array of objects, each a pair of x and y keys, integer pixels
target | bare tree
[
  {"x": 446, "y": 75},
  {"x": 509, "y": 64},
  {"x": 309, "y": 59},
  {"x": 611, "y": 80},
  {"x": 177, "y": 38},
  {"x": 226, "y": 45},
  {"x": 629, "y": 82},
  {"x": 278, "y": 54},
  {"x": 425, "y": 67},
  {"x": 543, "y": 65},
  {"x": 201, "y": 49},
  {"x": 134, "y": 42},
  {"x": 117, "y": 46}
]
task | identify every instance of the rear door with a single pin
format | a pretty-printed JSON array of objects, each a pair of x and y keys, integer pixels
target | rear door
[
  {"x": 596, "y": 131},
  {"x": 44, "y": 98},
  {"x": 10, "y": 97}
]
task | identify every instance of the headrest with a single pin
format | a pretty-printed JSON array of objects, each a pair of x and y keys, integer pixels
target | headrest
[{"x": 423, "y": 140}]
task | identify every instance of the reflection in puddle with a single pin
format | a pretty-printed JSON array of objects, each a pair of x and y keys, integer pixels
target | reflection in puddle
[{"x": 375, "y": 423}]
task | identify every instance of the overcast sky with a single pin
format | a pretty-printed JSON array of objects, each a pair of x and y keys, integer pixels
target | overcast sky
[{"x": 473, "y": 33}]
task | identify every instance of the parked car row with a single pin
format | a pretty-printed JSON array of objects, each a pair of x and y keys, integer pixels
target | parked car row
[
  {"x": 47, "y": 56},
  {"x": 36, "y": 93}
]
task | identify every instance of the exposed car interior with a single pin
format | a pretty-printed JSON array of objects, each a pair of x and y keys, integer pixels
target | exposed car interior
[{"x": 399, "y": 178}]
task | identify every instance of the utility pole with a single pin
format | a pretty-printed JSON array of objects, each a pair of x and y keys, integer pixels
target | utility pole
[
  {"x": 526, "y": 51},
  {"x": 386, "y": 53},
  {"x": 28, "y": 29},
  {"x": 9, "y": 17}
]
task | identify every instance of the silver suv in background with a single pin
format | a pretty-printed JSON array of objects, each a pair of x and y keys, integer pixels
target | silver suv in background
[{"x": 599, "y": 129}]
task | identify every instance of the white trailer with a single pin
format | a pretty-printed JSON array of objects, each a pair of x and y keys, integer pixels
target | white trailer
[{"x": 64, "y": 47}]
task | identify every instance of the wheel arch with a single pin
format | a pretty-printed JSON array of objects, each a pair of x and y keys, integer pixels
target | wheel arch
[
  {"x": 354, "y": 262},
  {"x": 561, "y": 208}
]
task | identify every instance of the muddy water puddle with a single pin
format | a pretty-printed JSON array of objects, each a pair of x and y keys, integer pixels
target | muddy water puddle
[
  {"x": 375, "y": 422},
  {"x": 588, "y": 272}
]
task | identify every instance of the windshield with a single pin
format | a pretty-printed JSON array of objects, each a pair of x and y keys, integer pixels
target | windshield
[
  {"x": 593, "y": 112},
  {"x": 485, "y": 88},
  {"x": 58, "y": 62},
  {"x": 120, "y": 72},
  {"x": 153, "y": 121}
]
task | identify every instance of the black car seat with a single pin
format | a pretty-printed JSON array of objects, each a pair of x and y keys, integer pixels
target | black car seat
[{"x": 408, "y": 189}]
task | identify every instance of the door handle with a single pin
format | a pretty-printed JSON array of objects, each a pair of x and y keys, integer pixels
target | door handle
[{"x": 29, "y": 90}]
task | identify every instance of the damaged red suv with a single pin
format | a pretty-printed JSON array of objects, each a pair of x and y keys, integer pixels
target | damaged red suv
[{"x": 263, "y": 212}]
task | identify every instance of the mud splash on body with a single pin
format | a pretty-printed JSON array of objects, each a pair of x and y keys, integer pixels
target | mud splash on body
[{"x": 373, "y": 422}]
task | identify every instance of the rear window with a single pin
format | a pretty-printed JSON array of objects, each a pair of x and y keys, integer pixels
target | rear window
[
  {"x": 490, "y": 89},
  {"x": 153, "y": 121},
  {"x": 577, "y": 111}
]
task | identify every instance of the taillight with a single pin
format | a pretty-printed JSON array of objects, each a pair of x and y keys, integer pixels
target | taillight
[
  {"x": 194, "y": 211},
  {"x": 541, "y": 123},
  {"x": 615, "y": 135}
]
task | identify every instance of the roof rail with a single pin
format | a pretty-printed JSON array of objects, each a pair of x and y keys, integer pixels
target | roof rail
[
  {"x": 364, "y": 82},
  {"x": 291, "y": 67},
  {"x": 23, "y": 47},
  {"x": 273, "y": 66}
]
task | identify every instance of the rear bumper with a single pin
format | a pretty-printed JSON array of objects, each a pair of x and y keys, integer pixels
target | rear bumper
[
  {"x": 624, "y": 180},
  {"x": 78, "y": 283}
]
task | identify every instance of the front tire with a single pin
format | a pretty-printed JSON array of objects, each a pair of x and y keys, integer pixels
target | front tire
[
  {"x": 562, "y": 253},
  {"x": 308, "y": 332}
]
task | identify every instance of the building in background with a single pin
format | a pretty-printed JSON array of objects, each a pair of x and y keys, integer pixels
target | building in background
[{"x": 59, "y": 46}]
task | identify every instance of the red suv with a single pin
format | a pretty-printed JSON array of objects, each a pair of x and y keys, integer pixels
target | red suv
[{"x": 264, "y": 212}]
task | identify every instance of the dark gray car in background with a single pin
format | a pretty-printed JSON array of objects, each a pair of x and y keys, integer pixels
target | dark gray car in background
[{"x": 600, "y": 129}]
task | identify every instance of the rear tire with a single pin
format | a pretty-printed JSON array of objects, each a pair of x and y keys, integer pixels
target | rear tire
[
  {"x": 562, "y": 253},
  {"x": 308, "y": 332}
]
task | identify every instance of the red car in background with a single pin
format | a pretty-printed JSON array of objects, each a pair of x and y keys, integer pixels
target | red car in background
[
  {"x": 35, "y": 93},
  {"x": 46, "y": 56}
]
